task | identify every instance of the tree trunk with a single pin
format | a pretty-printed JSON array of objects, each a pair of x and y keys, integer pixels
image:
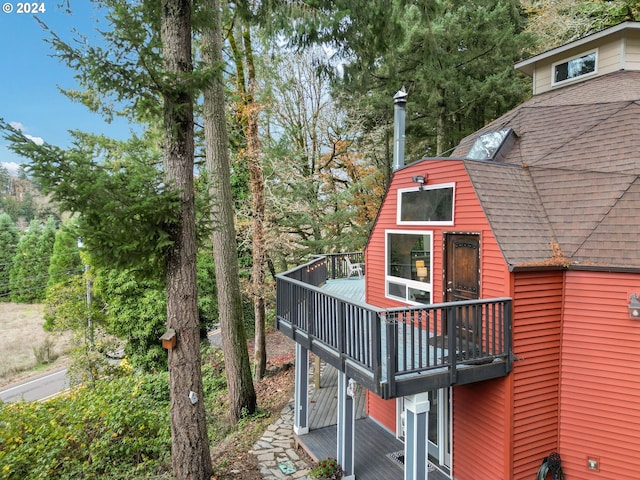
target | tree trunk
[
  {"x": 190, "y": 456},
  {"x": 441, "y": 123},
  {"x": 242, "y": 396},
  {"x": 258, "y": 211}
]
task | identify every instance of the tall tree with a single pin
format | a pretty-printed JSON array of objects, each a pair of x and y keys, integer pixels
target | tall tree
[
  {"x": 455, "y": 58},
  {"x": 248, "y": 112},
  {"x": 319, "y": 186},
  {"x": 4, "y": 181},
  {"x": 190, "y": 455},
  {"x": 242, "y": 394},
  {"x": 9, "y": 238},
  {"x": 150, "y": 223}
]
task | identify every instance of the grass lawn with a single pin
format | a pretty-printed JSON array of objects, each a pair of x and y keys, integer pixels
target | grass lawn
[{"x": 22, "y": 336}]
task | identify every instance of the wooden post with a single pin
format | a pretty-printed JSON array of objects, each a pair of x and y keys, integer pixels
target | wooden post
[{"x": 316, "y": 372}]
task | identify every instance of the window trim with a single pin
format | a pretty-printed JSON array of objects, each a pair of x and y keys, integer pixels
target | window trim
[
  {"x": 567, "y": 60},
  {"x": 408, "y": 283},
  {"x": 438, "y": 186}
]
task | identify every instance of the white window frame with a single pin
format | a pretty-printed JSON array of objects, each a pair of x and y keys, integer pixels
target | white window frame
[
  {"x": 408, "y": 283},
  {"x": 439, "y": 186},
  {"x": 567, "y": 60}
]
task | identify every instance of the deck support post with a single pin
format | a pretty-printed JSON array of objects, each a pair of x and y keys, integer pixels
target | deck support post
[
  {"x": 346, "y": 427},
  {"x": 415, "y": 445},
  {"x": 301, "y": 392}
]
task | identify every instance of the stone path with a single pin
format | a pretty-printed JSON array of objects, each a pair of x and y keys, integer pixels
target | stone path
[{"x": 276, "y": 450}]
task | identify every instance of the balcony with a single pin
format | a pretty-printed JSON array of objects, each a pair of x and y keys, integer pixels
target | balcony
[{"x": 392, "y": 352}]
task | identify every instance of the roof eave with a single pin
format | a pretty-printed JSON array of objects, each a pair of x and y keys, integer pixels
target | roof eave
[
  {"x": 527, "y": 66},
  {"x": 586, "y": 268}
]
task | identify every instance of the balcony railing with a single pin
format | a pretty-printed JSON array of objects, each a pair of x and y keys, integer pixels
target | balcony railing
[{"x": 399, "y": 351}]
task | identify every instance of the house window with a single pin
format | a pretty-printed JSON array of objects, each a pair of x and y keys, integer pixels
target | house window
[
  {"x": 432, "y": 205},
  {"x": 576, "y": 67},
  {"x": 409, "y": 268}
]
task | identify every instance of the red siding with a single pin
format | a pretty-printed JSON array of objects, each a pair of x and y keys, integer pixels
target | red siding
[
  {"x": 383, "y": 411},
  {"x": 479, "y": 440},
  {"x": 478, "y": 410},
  {"x": 600, "y": 393},
  {"x": 537, "y": 313}
]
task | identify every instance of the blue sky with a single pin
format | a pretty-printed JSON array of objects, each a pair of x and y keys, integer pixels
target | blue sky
[{"x": 29, "y": 77}]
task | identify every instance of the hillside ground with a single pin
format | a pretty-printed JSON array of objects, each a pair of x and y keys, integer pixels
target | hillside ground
[
  {"x": 24, "y": 343},
  {"x": 231, "y": 458},
  {"x": 23, "y": 339}
]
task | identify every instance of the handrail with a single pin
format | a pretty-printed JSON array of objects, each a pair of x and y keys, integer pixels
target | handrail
[{"x": 384, "y": 347}]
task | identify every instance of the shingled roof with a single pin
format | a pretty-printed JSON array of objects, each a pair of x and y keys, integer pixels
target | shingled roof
[{"x": 568, "y": 191}]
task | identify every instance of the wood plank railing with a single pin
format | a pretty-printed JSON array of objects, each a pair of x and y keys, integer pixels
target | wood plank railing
[{"x": 398, "y": 351}]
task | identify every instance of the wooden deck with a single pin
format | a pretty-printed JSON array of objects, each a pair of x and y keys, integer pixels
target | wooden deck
[
  {"x": 323, "y": 401},
  {"x": 378, "y": 453},
  {"x": 352, "y": 288},
  {"x": 326, "y": 315}
]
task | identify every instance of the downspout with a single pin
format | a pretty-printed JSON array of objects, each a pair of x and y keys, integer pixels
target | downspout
[{"x": 399, "y": 114}]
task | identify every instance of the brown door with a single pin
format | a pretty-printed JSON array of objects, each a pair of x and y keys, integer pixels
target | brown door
[
  {"x": 462, "y": 269},
  {"x": 462, "y": 282}
]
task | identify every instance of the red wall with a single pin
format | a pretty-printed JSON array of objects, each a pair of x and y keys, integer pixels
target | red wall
[
  {"x": 534, "y": 381},
  {"x": 600, "y": 374},
  {"x": 479, "y": 431},
  {"x": 479, "y": 411}
]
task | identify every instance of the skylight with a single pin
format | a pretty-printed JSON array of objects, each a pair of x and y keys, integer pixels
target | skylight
[{"x": 487, "y": 145}]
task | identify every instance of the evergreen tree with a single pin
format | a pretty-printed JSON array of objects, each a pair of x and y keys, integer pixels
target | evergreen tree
[
  {"x": 137, "y": 313},
  {"x": 133, "y": 213},
  {"x": 455, "y": 58},
  {"x": 46, "y": 242},
  {"x": 65, "y": 261},
  {"x": 9, "y": 238},
  {"x": 4, "y": 181},
  {"x": 242, "y": 394},
  {"x": 28, "y": 280}
]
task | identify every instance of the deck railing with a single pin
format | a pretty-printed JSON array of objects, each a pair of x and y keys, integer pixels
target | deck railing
[{"x": 398, "y": 351}]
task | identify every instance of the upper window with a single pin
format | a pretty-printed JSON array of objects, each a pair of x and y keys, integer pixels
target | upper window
[
  {"x": 574, "y": 68},
  {"x": 431, "y": 205}
]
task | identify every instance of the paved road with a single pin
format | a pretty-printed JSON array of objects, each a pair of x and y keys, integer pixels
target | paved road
[
  {"x": 38, "y": 388},
  {"x": 52, "y": 383}
]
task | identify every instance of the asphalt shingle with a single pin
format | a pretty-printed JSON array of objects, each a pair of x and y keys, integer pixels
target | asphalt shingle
[{"x": 568, "y": 191}]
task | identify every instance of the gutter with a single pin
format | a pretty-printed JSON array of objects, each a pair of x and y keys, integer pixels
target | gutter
[{"x": 576, "y": 267}]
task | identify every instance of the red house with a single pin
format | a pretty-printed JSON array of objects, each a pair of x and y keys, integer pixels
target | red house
[{"x": 502, "y": 320}]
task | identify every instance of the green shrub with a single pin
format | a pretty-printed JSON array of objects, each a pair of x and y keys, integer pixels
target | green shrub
[{"x": 115, "y": 429}]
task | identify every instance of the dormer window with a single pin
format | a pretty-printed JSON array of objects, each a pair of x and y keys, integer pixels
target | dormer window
[{"x": 576, "y": 67}]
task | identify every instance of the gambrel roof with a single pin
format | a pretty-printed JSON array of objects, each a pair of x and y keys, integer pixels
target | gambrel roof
[{"x": 568, "y": 190}]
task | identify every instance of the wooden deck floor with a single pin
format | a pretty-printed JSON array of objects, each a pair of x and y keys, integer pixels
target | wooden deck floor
[
  {"x": 323, "y": 401},
  {"x": 352, "y": 288},
  {"x": 375, "y": 447}
]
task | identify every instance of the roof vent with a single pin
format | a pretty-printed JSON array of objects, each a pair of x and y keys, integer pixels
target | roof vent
[{"x": 493, "y": 145}]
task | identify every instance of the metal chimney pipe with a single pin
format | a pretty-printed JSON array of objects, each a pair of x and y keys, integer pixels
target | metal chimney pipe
[{"x": 399, "y": 114}]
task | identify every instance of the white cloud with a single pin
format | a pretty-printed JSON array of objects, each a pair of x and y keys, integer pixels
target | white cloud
[
  {"x": 12, "y": 167},
  {"x": 22, "y": 128},
  {"x": 36, "y": 140}
]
